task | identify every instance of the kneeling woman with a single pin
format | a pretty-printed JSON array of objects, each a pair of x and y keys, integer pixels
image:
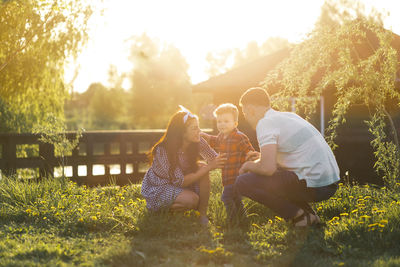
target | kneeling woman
[{"x": 175, "y": 179}]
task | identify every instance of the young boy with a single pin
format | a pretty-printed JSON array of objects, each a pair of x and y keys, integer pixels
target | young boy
[{"x": 236, "y": 145}]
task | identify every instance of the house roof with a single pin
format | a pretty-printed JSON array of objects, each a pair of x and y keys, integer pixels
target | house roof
[{"x": 244, "y": 76}]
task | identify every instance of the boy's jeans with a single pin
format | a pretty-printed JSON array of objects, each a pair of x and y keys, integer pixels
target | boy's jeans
[
  {"x": 233, "y": 202},
  {"x": 282, "y": 192}
]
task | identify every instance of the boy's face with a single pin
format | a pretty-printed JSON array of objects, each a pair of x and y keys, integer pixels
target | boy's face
[{"x": 226, "y": 123}]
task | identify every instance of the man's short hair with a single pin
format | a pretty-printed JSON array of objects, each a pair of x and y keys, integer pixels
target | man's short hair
[
  {"x": 227, "y": 108},
  {"x": 255, "y": 96}
]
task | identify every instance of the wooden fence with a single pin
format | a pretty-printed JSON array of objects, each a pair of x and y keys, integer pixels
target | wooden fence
[{"x": 99, "y": 156}]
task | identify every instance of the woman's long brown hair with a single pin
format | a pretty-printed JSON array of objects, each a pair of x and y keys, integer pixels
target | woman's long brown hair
[{"x": 172, "y": 141}]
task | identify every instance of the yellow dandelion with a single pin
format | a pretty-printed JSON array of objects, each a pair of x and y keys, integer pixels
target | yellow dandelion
[
  {"x": 365, "y": 216},
  {"x": 80, "y": 220},
  {"x": 80, "y": 210},
  {"x": 319, "y": 208},
  {"x": 278, "y": 218},
  {"x": 28, "y": 210},
  {"x": 360, "y": 222},
  {"x": 367, "y": 197},
  {"x": 381, "y": 225},
  {"x": 344, "y": 214},
  {"x": 94, "y": 218},
  {"x": 197, "y": 213},
  {"x": 384, "y": 221},
  {"x": 45, "y": 218},
  {"x": 351, "y": 197},
  {"x": 373, "y": 225},
  {"x": 354, "y": 211}
]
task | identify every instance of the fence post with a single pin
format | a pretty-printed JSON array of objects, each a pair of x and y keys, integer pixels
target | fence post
[
  {"x": 46, "y": 154},
  {"x": 10, "y": 156}
]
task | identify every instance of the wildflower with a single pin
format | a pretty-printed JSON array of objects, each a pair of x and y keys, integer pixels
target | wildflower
[
  {"x": 344, "y": 214},
  {"x": 351, "y": 197},
  {"x": 319, "y": 208},
  {"x": 197, "y": 213},
  {"x": 80, "y": 220},
  {"x": 94, "y": 218},
  {"x": 365, "y": 216},
  {"x": 28, "y": 210},
  {"x": 373, "y": 225},
  {"x": 367, "y": 197},
  {"x": 354, "y": 211},
  {"x": 384, "y": 221},
  {"x": 80, "y": 210},
  {"x": 278, "y": 218},
  {"x": 45, "y": 218}
]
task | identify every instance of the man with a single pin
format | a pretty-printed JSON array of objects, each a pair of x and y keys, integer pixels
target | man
[{"x": 295, "y": 165}]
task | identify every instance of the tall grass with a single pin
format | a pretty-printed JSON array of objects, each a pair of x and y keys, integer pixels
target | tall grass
[{"x": 56, "y": 222}]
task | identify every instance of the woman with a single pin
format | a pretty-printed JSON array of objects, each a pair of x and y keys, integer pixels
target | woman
[{"x": 176, "y": 180}]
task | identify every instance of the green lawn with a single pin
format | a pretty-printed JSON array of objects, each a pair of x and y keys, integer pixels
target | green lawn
[{"x": 57, "y": 223}]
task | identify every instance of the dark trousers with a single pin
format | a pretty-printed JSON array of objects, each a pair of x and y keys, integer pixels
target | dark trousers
[
  {"x": 233, "y": 202},
  {"x": 282, "y": 192}
]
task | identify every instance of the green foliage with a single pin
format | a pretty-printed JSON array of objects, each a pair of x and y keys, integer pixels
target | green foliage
[
  {"x": 356, "y": 60},
  {"x": 53, "y": 131},
  {"x": 56, "y": 222},
  {"x": 386, "y": 152},
  {"x": 36, "y": 37},
  {"x": 160, "y": 83}
]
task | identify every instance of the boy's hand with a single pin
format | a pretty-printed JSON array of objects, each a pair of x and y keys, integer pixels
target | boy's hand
[
  {"x": 252, "y": 155},
  {"x": 218, "y": 162}
]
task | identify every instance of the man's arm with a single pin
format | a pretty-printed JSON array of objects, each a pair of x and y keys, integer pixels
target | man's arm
[{"x": 266, "y": 165}]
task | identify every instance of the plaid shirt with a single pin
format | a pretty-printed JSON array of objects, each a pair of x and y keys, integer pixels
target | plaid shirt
[{"x": 236, "y": 145}]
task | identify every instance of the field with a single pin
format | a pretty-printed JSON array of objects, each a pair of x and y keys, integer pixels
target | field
[{"x": 58, "y": 223}]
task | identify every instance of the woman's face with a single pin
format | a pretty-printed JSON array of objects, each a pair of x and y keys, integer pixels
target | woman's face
[{"x": 192, "y": 131}]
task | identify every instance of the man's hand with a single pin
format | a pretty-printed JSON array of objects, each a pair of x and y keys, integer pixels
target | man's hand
[
  {"x": 252, "y": 155},
  {"x": 245, "y": 167}
]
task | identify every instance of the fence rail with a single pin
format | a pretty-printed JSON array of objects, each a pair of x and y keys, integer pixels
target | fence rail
[{"x": 99, "y": 157}]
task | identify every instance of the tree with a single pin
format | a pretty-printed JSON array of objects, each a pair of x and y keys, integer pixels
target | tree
[
  {"x": 36, "y": 37},
  {"x": 160, "y": 82},
  {"x": 356, "y": 57}
]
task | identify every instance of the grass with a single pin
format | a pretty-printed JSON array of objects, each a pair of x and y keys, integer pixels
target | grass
[{"x": 57, "y": 223}]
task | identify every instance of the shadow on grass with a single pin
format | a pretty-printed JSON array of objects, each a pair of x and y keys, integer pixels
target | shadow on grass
[{"x": 164, "y": 238}]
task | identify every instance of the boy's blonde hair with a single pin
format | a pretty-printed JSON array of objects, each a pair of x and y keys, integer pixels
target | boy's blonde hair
[{"x": 227, "y": 108}]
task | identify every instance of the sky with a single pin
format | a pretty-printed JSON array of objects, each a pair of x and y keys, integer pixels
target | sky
[{"x": 195, "y": 28}]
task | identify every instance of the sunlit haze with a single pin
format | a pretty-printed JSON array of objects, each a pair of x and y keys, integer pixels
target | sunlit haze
[{"x": 195, "y": 28}]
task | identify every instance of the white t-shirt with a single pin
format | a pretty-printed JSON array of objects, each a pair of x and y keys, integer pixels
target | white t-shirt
[{"x": 300, "y": 147}]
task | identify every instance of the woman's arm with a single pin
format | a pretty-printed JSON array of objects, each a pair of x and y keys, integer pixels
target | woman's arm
[{"x": 217, "y": 162}]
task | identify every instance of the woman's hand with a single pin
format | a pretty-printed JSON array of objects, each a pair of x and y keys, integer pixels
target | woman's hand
[{"x": 218, "y": 162}]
